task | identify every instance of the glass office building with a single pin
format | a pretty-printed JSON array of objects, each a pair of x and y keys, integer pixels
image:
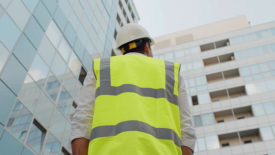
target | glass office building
[
  {"x": 230, "y": 82},
  {"x": 46, "y": 50}
]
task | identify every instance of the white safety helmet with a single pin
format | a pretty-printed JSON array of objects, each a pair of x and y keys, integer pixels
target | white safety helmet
[{"x": 131, "y": 32}]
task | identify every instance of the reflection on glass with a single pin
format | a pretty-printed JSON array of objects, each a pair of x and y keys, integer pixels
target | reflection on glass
[
  {"x": 58, "y": 66},
  {"x": 64, "y": 49},
  {"x": 204, "y": 98},
  {"x": 46, "y": 50},
  {"x": 52, "y": 86},
  {"x": 75, "y": 64},
  {"x": 269, "y": 107},
  {"x": 52, "y": 145},
  {"x": 208, "y": 119},
  {"x": 258, "y": 109},
  {"x": 54, "y": 34},
  {"x": 9, "y": 32},
  {"x": 57, "y": 125},
  {"x": 19, "y": 121},
  {"x": 36, "y": 137},
  {"x": 39, "y": 70},
  {"x": 65, "y": 102},
  {"x": 4, "y": 56}
]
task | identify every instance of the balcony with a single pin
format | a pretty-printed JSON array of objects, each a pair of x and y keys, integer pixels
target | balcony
[
  {"x": 233, "y": 114},
  {"x": 214, "y": 45},
  {"x": 218, "y": 59},
  {"x": 214, "y": 77},
  {"x": 227, "y": 93}
]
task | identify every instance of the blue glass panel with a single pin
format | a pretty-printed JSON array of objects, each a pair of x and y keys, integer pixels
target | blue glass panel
[
  {"x": 4, "y": 56},
  {"x": 36, "y": 138},
  {"x": 42, "y": 16},
  {"x": 52, "y": 87},
  {"x": 70, "y": 34},
  {"x": 9, "y": 145},
  {"x": 39, "y": 70},
  {"x": 30, "y": 4},
  {"x": 79, "y": 48},
  {"x": 52, "y": 145},
  {"x": 34, "y": 32},
  {"x": 19, "y": 121},
  {"x": 7, "y": 99},
  {"x": 9, "y": 32},
  {"x": 60, "y": 19},
  {"x": 51, "y": 5},
  {"x": 24, "y": 51},
  {"x": 65, "y": 102},
  {"x": 26, "y": 151},
  {"x": 13, "y": 74}
]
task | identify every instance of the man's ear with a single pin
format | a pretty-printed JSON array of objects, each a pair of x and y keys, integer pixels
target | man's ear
[{"x": 147, "y": 50}]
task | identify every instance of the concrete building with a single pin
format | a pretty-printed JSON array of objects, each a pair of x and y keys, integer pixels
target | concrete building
[
  {"x": 46, "y": 50},
  {"x": 228, "y": 69}
]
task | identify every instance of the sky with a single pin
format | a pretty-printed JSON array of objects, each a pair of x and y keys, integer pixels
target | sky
[{"x": 161, "y": 17}]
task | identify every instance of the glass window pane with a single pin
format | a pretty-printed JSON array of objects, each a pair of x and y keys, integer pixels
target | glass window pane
[
  {"x": 24, "y": 51},
  {"x": 42, "y": 16},
  {"x": 13, "y": 74},
  {"x": 266, "y": 133},
  {"x": 4, "y": 56},
  {"x": 269, "y": 107},
  {"x": 197, "y": 121},
  {"x": 19, "y": 121},
  {"x": 36, "y": 137},
  {"x": 52, "y": 145},
  {"x": 7, "y": 99},
  {"x": 39, "y": 70},
  {"x": 204, "y": 98},
  {"x": 57, "y": 125},
  {"x": 50, "y": 5},
  {"x": 52, "y": 87},
  {"x": 65, "y": 102},
  {"x": 46, "y": 50},
  {"x": 258, "y": 109},
  {"x": 54, "y": 34},
  {"x": 60, "y": 19},
  {"x": 58, "y": 66},
  {"x": 26, "y": 151},
  {"x": 212, "y": 142},
  {"x": 64, "y": 49},
  {"x": 201, "y": 144},
  {"x": 9, "y": 32},
  {"x": 208, "y": 119},
  {"x": 9, "y": 145},
  {"x": 70, "y": 34},
  {"x": 44, "y": 109},
  {"x": 30, "y": 4},
  {"x": 75, "y": 64},
  {"x": 34, "y": 32},
  {"x": 19, "y": 13}
]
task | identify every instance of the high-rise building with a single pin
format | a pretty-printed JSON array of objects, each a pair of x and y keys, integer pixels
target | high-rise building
[
  {"x": 228, "y": 69},
  {"x": 46, "y": 50}
]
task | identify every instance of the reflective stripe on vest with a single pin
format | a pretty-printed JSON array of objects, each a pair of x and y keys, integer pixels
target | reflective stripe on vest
[{"x": 129, "y": 118}]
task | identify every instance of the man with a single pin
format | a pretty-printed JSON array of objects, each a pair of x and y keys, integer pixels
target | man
[{"x": 133, "y": 104}]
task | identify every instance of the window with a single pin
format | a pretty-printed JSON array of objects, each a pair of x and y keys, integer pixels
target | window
[
  {"x": 64, "y": 49},
  {"x": 34, "y": 32},
  {"x": 52, "y": 87},
  {"x": 74, "y": 104},
  {"x": 70, "y": 34},
  {"x": 52, "y": 145},
  {"x": 64, "y": 151},
  {"x": 225, "y": 144},
  {"x": 247, "y": 141},
  {"x": 42, "y": 16},
  {"x": 36, "y": 137},
  {"x": 241, "y": 117},
  {"x": 39, "y": 70},
  {"x": 82, "y": 75},
  {"x": 7, "y": 99},
  {"x": 9, "y": 32},
  {"x": 60, "y": 19},
  {"x": 24, "y": 51},
  {"x": 74, "y": 64},
  {"x": 54, "y": 34},
  {"x": 266, "y": 133},
  {"x": 4, "y": 56},
  {"x": 195, "y": 100},
  {"x": 46, "y": 50},
  {"x": 58, "y": 66},
  {"x": 30, "y": 4},
  {"x": 220, "y": 121},
  {"x": 13, "y": 74},
  {"x": 19, "y": 121}
]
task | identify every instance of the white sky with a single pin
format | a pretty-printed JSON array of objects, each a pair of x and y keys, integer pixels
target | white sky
[{"x": 160, "y": 17}]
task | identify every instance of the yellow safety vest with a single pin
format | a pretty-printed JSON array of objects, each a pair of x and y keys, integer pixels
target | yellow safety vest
[{"x": 136, "y": 109}]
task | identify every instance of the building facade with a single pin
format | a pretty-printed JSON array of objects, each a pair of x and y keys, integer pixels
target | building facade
[
  {"x": 46, "y": 50},
  {"x": 230, "y": 81}
]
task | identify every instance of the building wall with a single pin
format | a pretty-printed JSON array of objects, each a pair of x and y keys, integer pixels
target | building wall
[
  {"x": 252, "y": 52},
  {"x": 46, "y": 50}
]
